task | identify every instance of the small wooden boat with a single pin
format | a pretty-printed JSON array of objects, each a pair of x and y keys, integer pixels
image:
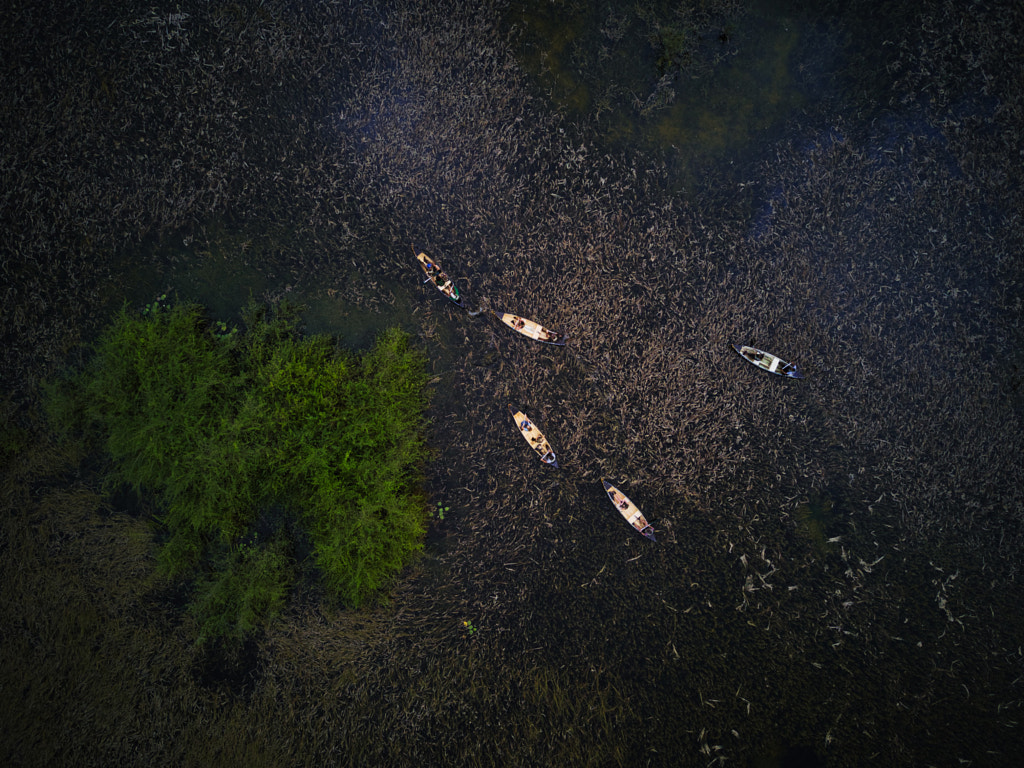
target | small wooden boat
[
  {"x": 768, "y": 362},
  {"x": 534, "y": 437},
  {"x": 530, "y": 328},
  {"x": 437, "y": 276},
  {"x": 629, "y": 510}
]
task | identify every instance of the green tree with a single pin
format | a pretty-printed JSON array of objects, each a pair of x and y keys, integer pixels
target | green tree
[{"x": 248, "y": 440}]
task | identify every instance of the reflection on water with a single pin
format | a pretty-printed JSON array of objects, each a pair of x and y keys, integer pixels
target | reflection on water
[{"x": 704, "y": 81}]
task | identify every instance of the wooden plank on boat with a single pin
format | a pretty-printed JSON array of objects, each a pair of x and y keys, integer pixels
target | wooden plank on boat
[
  {"x": 438, "y": 277},
  {"x": 534, "y": 437},
  {"x": 531, "y": 329},
  {"x": 768, "y": 362},
  {"x": 629, "y": 510}
]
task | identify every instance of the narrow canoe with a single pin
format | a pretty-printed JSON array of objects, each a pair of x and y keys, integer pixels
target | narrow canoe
[
  {"x": 529, "y": 328},
  {"x": 437, "y": 276},
  {"x": 768, "y": 362},
  {"x": 534, "y": 437},
  {"x": 629, "y": 510}
]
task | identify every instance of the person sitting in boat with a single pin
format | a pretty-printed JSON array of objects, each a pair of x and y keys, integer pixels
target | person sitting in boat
[
  {"x": 518, "y": 323},
  {"x": 525, "y": 425},
  {"x": 546, "y": 335},
  {"x": 548, "y": 457}
]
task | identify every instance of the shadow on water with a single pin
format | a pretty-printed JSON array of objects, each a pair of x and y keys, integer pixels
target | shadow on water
[{"x": 230, "y": 666}]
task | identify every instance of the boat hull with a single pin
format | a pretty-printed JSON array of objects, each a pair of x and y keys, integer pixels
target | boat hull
[
  {"x": 534, "y": 437},
  {"x": 629, "y": 510},
  {"x": 530, "y": 329},
  {"x": 439, "y": 278},
  {"x": 766, "y": 361}
]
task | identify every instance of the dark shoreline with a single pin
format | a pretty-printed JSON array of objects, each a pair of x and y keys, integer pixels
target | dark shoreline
[{"x": 332, "y": 136}]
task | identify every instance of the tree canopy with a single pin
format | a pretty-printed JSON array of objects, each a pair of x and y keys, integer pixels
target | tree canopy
[{"x": 268, "y": 453}]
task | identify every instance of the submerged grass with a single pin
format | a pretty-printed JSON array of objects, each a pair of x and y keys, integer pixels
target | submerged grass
[{"x": 227, "y": 429}]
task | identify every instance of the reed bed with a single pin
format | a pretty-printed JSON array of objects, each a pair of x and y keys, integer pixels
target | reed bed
[{"x": 880, "y": 249}]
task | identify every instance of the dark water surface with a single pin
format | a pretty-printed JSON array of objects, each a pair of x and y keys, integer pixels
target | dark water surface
[
  {"x": 837, "y": 569},
  {"x": 747, "y": 629},
  {"x": 741, "y": 73}
]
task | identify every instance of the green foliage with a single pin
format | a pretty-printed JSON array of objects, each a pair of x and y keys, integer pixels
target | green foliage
[
  {"x": 159, "y": 304},
  {"x": 13, "y": 442},
  {"x": 222, "y": 426},
  {"x": 164, "y": 392},
  {"x": 365, "y": 518},
  {"x": 674, "y": 45},
  {"x": 248, "y": 587}
]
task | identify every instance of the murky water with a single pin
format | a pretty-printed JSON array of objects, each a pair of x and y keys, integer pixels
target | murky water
[
  {"x": 229, "y": 267},
  {"x": 709, "y": 90},
  {"x": 709, "y": 96}
]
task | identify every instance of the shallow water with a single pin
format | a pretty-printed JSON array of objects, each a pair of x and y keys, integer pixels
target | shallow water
[
  {"x": 746, "y": 72},
  {"x": 230, "y": 267}
]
